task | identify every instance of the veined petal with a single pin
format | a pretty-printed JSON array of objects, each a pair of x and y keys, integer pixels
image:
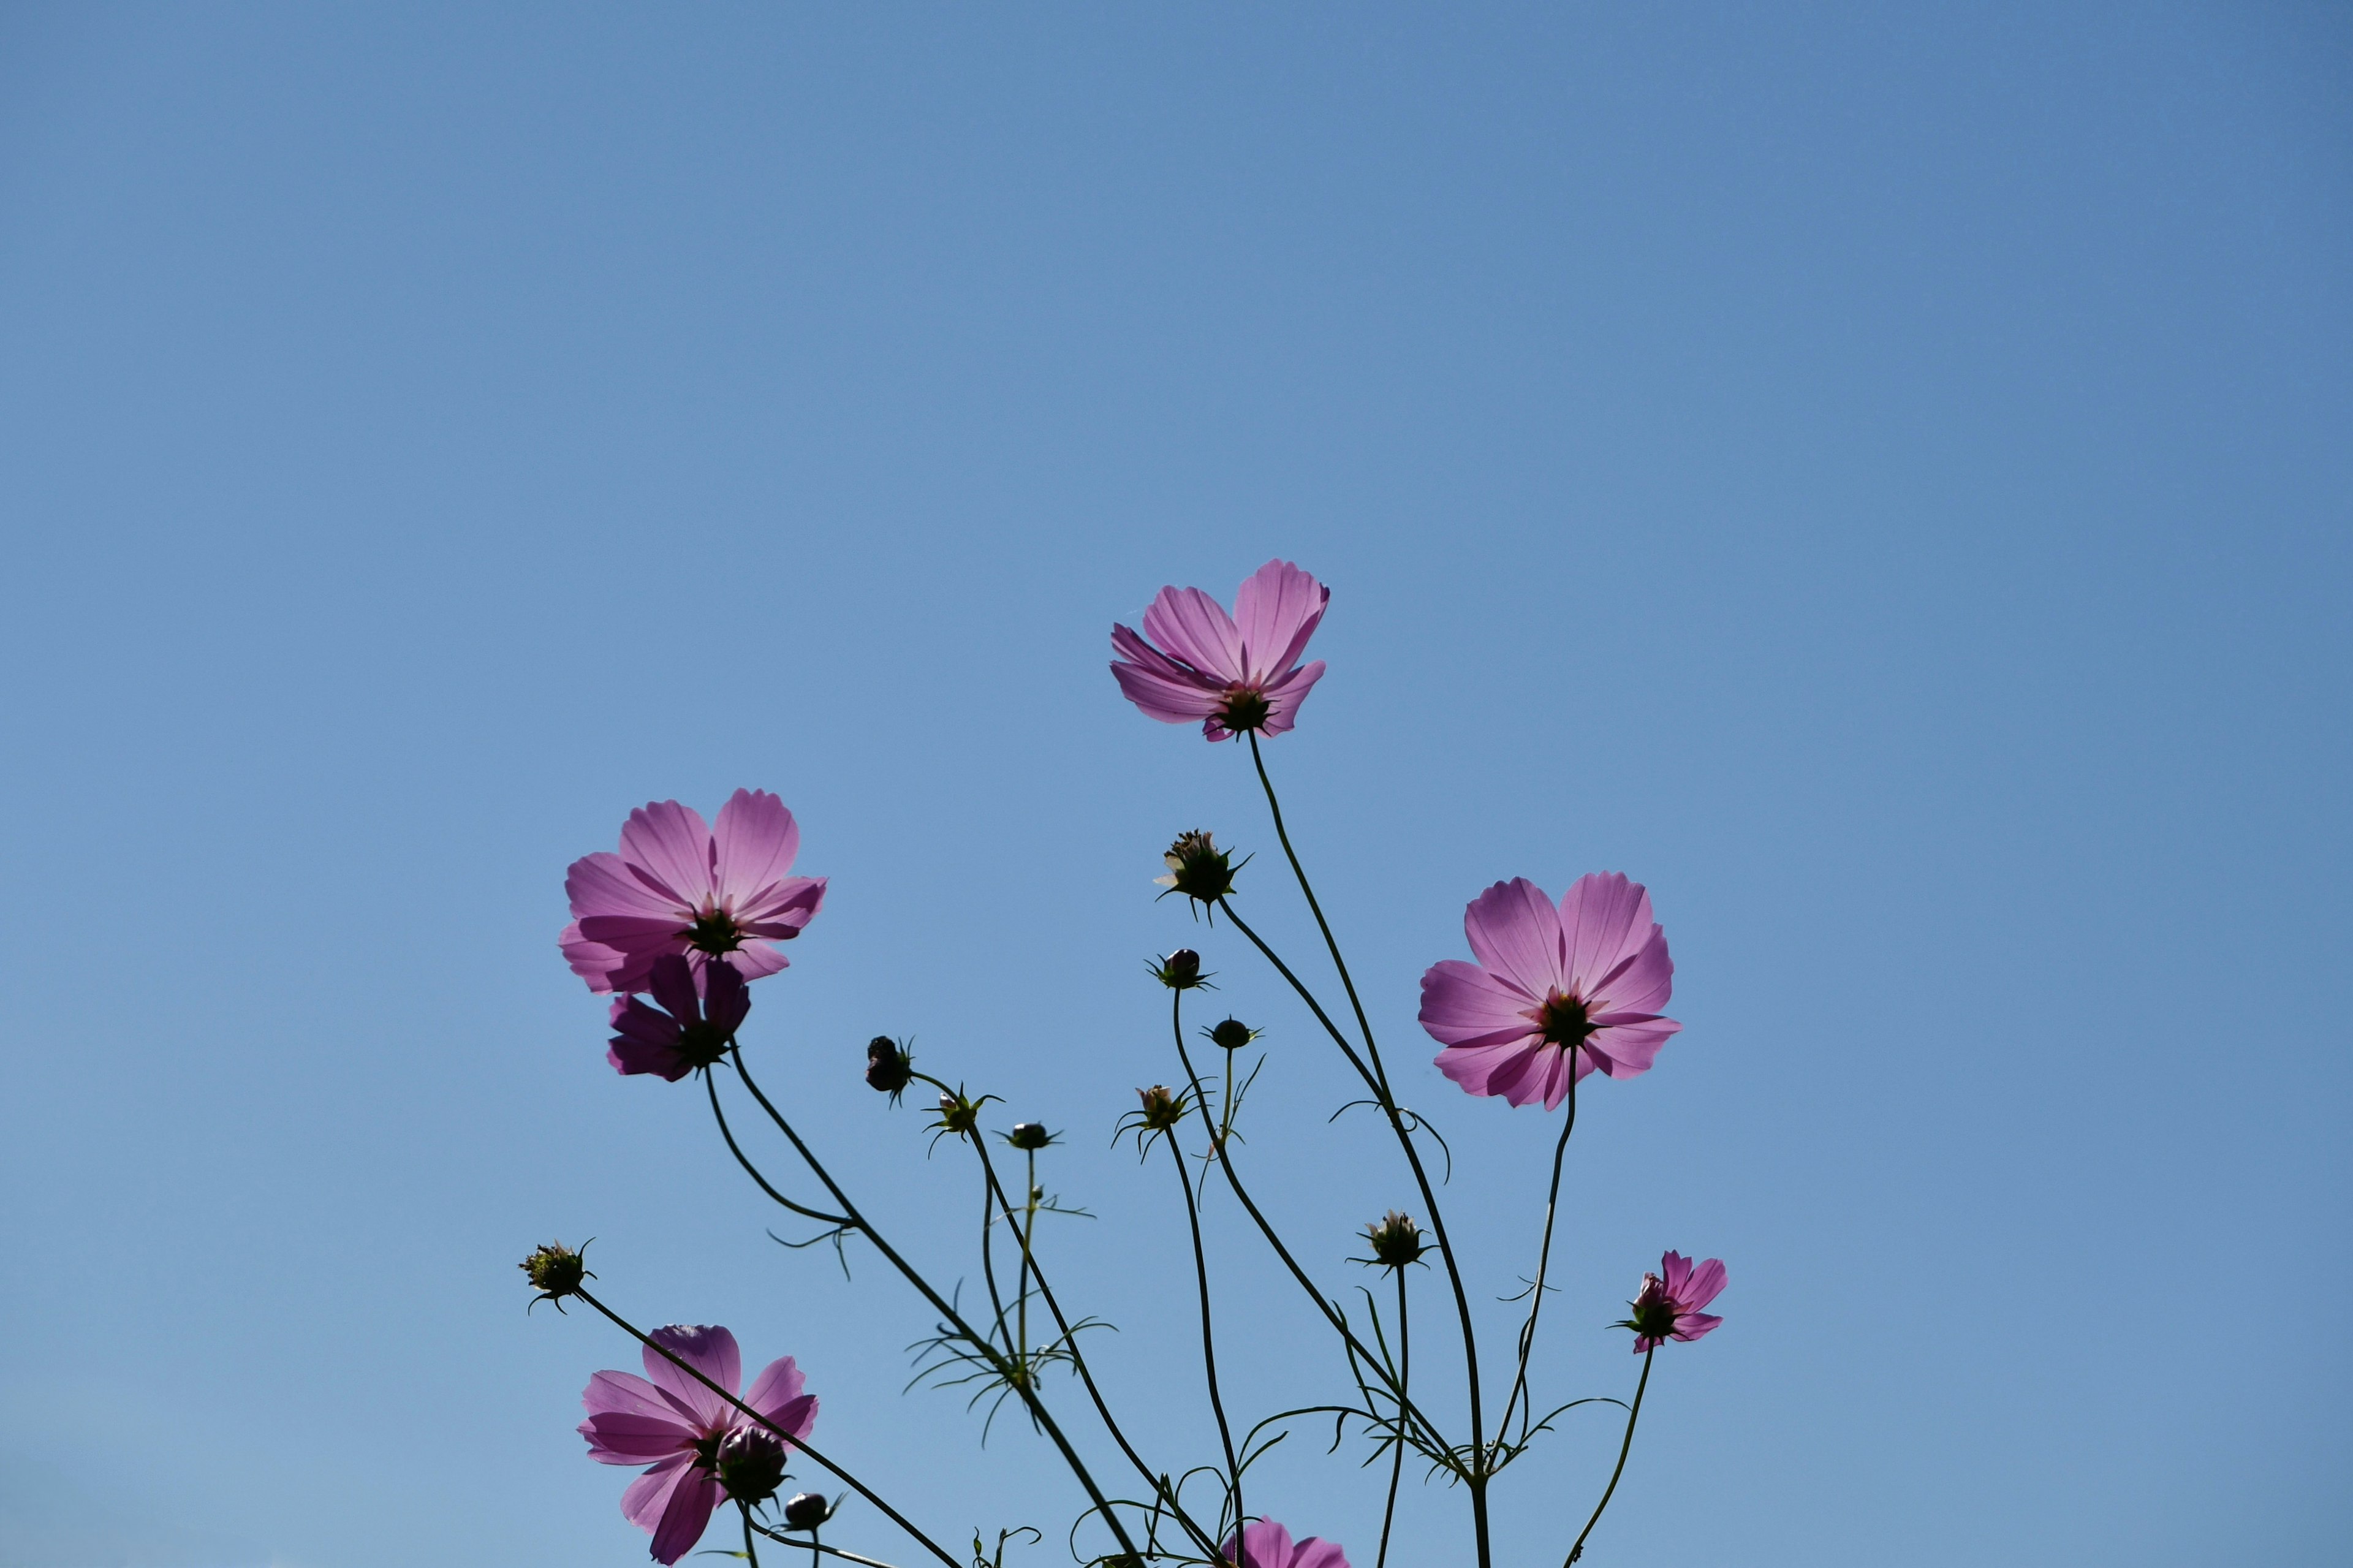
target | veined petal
[
  {"x": 1707, "y": 1283},
  {"x": 781, "y": 908},
  {"x": 753, "y": 961},
  {"x": 669, "y": 844},
  {"x": 1640, "y": 982},
  {"x": 1604, "y": 919},
  {"x": 1463, "y": 1005},
  {"x": 1476, "y": 1067},
  {"x": 1193, "y": 626},
  {"x": 779, "y": 1385},
  {"x": 1276, "y": 611},
  {"x": 1692, "y": 1325},
  {"x": 602, "y": 884},
  {"x": 591, "y": 960},
  {"x": 1284, "y": 697},
  {"x": 626, "y": 1392},
  {"x": 756, "y": 842},
  {"x": 616, "y": 1438},
  {"x": 1516, "y": 931},
  {"x": 711, "y": 1351},
  {"x": 1316, "y": 1553},
  {"x": 691, "y": 1499},
  {"x": 1628, "y": 1050}
]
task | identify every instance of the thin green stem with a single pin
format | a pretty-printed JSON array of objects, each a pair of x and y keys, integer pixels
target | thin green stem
[
  {"x": 1633, "y": 1413},
  {"x": 710, "y": 1082},
  {"x": 940, "y": 1304},
  {"x": 1209, "y": 1341},
  {"x": 1544, "y": 1261},
  {"x": 796, "y": 1440},
  {"x": 751, "y": 1553},
  {"x": 1396, "y": 1464},
  {"x": 815, "y": 1548}
]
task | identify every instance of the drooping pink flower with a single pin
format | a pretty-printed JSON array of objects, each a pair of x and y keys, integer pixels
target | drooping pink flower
[
  {"x": 677, "y": 887},
  {"x": 1267, "y": 1544},
  {"x": 669, "y": 1421},
  {"x": 1587, "y": 979},
  {"x": 1231, "y": 672},
  {"x": 1668, "y": 1305},
  {"x": 705, "y": 1007}
]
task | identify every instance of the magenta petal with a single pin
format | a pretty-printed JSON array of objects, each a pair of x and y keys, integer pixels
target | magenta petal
[
  {"x": 756, "y": 840},
  {"x": 1196, "y": 628},
  {"x": 1642, "y": 982},
  {"x": 727, "y": 1001},
  {"x": 1628, "y": 1051},
  {"x": 1605, "y": 919},
  {"x": 630, "y": 1057},
  {"x": 753, "y": 961},
  {"x": 691, "y": 1499},
  {"x": 778, "y": 1386},
  {"x": 671, "y": 844},
  {"x": 710, "y": 1351},
  {"x": 670, "y": 978},
  {"x": 1317, "y": 1553},
  {"x": 591, "y": 960},
  {"x": 1692, "y": 1325},
  {"x": 1515, "y": 930},
  {"x": 603, "y": 884},
  {"x": 781, "y": 908},
  {"x": 1265, "y": 1544},
  {"x": 1706, "y": 1284},
  {"x": 648, "y": 1497},
  {"x": 1284, "y": 697},
  {"x": 1276, "y": 611},
  {"x": 1463, "y": 1005},
  {"x": 627, "y": 1394},
  {"x": 615, "y": 1438}
]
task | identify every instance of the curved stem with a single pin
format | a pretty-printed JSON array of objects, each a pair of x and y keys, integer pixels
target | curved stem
[
  {"x": 1633, "y": 1413},
  {"x": 1477, "y": 1479},
  {"x": 1208, "y": 1344},
  {"x": 940, "y": 1304},
  {"x": 711, "y": 1081},
  {"x": 1544, "y": 1261},
  {"x": 1397, "y": 1465},
  {"x": 817, "y": 1547},
  {"x": 1332, "y": 1314},
  {"x": 989, "y": 1254},
  {"x": 861, "y": 1488}
]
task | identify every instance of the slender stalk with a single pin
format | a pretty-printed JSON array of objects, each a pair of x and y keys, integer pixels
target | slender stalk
[
  {"x": 989, "y": 1255},
  {"x": 861, "y": 1488},
  {"x": 1029, "y": 1224},
  {"x": 1477, "y": 1481},
  {"x": 1208, "y": 1342},
  {"x": 710, "y": 1082},
  {"x": 1633, "y": 1413},
  {"x": 751, "y": 1553},
  {"x": 1544, "y": 1261},
  {"x": 1330, "y": 1314},
  {"x": 939, "y": 1303},
  {"x": 1397, "y": 1465},
  {"x": 816, "y": 1548}
]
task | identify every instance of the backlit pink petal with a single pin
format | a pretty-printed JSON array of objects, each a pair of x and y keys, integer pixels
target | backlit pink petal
[
  {"x": 1463, "y": 1005},
  {"x": 1516, "y": 931},
  {"x": 691, "y": 1501},
  {"x": 1267, "y": 1544},
  {"x": 710, "y": 1351},
  {"x": 1667, "y": 1307},
  {"x": 591, "y": 960},
  {"x": 1170, "y": 701},
  {"x": 1631, "y": 1051},
  {"x": 756, "y": 840},
  {"x": 1196, "y": 628},
  {"x": 648, "y": 1496},
  {"x": 1674, "y": 1273},
  {"x": 668, "y": 846},
  {"x": 753, "y": 961},
  {"x": 1284, "y": 697},
  {"x": 779, "y": 1385},
  {"x": 618, "y": 1439},
  {"x": 1473, "y": 1067},
  {"x": 1316, "y": 1553},
  {"x": 1705, "y": 1285},
  {"x": 1690, "y": 1326},
  {"x": 1640, "y": 983},
  {"x": 625, "y": 1393},
  {"x": 1276, "y": 611},
  {"x": 1604, "y": 918},
  {"x": 603, "y": 884}
]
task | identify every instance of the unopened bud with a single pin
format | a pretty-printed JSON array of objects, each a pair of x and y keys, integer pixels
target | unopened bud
[
  {"x": 958, "y": 1115},
  {"x": 555, "y": 1271},
  {"x": 806, "y": 1510},
  {"x": 1180, "y": 970},
  {"x": 750, "y": 1463},
  {"x": 1163, "y": 1107},
  {"x": 889, "y": 1066},
  {"x": 1395, "y": 1240},
  {"x": 1029, "y": 1135},
  {"x": 1232, "y": 1034}
]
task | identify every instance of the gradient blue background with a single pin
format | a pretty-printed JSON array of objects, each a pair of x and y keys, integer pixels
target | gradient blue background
[{"x": 1879, "y": 476}]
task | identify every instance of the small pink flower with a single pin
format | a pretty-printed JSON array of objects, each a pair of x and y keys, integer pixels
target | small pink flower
[
  {"x": 705, "y": 1007},
  {"x": 1267, "y": 1544},
  {"x": 673, "y": 1424},
  {"x": 1586, "y": 979},
  {"x": 677, "y": 887},
  {"x": 1231, "y": 672},
  {"x": 1668, "y": 1306}
]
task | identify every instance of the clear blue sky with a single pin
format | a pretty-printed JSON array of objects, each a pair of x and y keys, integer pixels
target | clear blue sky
[{"x": 1879, "y": 476}]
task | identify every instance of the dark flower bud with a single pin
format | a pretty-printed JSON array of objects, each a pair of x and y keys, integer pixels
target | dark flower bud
[
  {"x": 1198, "y": 869},
  {"x": 1163, "y": 1107},
  {"x": 750, "y": 1463},
  {"x": 889, "y": 1066},
  {"x": 806, "y": 1510},
  {"x": 958, "y": 1115},
  {"x": 1180, "y": 970},
  {"x": 1396, "y": 1240},
  {"x": 555, "y": 1271},
  {"x": 1232, "y": 1034},
  {"x": 1030, "y": 1136}
]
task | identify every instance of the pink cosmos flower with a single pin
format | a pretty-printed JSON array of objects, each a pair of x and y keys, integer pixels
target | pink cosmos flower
[
  {"x": 1668, "y": 1306},
  {"x": 1231, "y": 672},
  {"x": 1585, "y": 980},
  {"x": 670, "y": 1422},
  {"x": 1267, "y": 1544},
  {"x": 677, "y": 887},
  {"x": 705, "y": 1008}
]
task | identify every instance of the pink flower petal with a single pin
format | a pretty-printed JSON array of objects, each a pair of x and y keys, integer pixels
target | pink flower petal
[
  {"x": 602, "y": 884},
  {"x": 1707, "y": 1283},
  {"x": 1276, "y": 611},
  {"x": 1317, "y": 1553},
  {"x": 1604, "y": 918},
  {"x": 781, "y": 908},
  {"x": 1514, "y": 931},
  {"x": 648, "y": 1496},
  {"x": 1628, "y": 1051},
  {"x": 1284, "y": 697},
  {"x": 615, "y": 1438},
  {"x": 671, "y": 845},
  {"x": 1463, "y": 1005},
  {"x": 776, "y": 1391},
  {"x": 710, "y": 1351},
  {"x": 757, "y": 841},
  {"x": 1640, "y": 982},
  {"x": 1167, "y": 698},
  {"x": 691, "y": 1501},
  {"x": 1690, "y": 1326},
  {"x": 1196, "y": 628},
  {"x": 591, "y": 960},
  {"x": 625, "y": 1393}
]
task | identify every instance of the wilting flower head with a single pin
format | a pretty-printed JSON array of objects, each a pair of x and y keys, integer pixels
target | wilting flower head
[
  {"x": 1181, "y": 970},
  {"x": 678, "y": 886},
  {"x": 806, "y": 1510},
  {"x": 1587, "y": 979},
  {"x": 1232, "y": 1034},
  {"x": 1267, "y": 1544},
  {"x": 750, "y": 1464},
  {"x": 1231, "y": 672},
  {"x": 890, "y": 1066},
  {"x": 555, "y": 1271},
  {"x": 1163, "y": 1107},
  {"x": 1668, "y": 1306},
  {"x": 673, "y": 1424},
  {"x": 704, "y": 1010},
  {"x": 1198, "y": 867},
  {"x": 1395, "y": 1240}
]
